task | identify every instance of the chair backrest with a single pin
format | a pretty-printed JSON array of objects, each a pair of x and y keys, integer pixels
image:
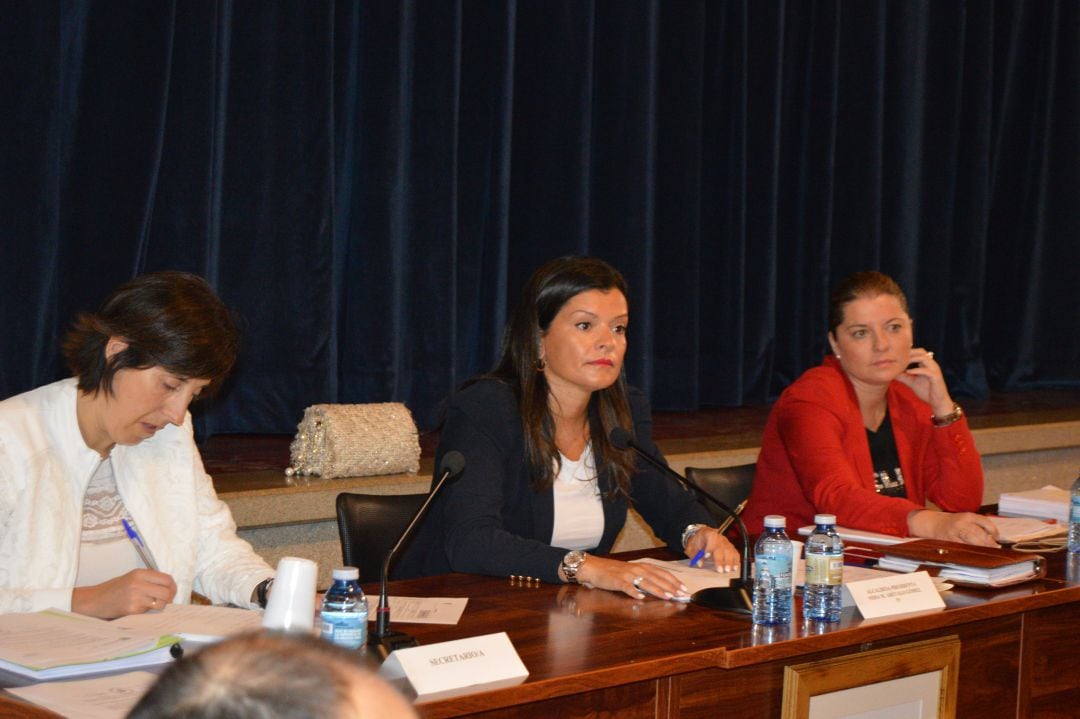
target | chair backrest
[
  {"x": 731, "y": 485},
  {"x": 369, "y": 525}
]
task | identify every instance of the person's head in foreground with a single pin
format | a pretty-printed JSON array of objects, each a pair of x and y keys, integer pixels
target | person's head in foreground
[{"x": 271, "y": 676}]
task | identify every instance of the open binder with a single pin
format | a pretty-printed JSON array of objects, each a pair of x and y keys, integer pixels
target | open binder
[{"x": 964, "y": 564}]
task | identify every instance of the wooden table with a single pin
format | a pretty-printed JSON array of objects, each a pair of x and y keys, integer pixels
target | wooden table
[{"x": 591, "y": 652}]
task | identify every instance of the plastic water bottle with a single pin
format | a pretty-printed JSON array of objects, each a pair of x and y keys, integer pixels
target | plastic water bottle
[
  {"x": 824, "y": 571},
  {"x": 344, "y": 610},
  {"x": 1074, "y": 518},
  {"x": 772, "y": 574}
]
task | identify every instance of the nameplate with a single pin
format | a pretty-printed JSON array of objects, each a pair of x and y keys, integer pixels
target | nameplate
[
  {"x": 450, "y": 667},
  {"x": 896, "y": 594}
]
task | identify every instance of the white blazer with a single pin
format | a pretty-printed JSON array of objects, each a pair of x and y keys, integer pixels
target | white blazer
[{"x": 45, "y": 467}]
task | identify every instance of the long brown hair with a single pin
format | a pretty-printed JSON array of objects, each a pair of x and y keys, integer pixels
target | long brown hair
[{"x": 550, "y": 287}]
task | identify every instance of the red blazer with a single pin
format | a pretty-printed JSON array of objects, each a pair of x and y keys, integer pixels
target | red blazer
[{"x": 815, "y": 458}]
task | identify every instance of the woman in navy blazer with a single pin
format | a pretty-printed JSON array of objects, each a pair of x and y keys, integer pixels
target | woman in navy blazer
[{"x": 544, "y": 492}]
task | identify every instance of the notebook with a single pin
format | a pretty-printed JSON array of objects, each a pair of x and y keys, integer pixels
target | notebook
[{"x": 964, "y": 564}]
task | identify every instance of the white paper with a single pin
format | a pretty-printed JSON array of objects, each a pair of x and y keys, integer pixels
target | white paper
[
  {"x": 1021, "y": 529},
  {"x": 895, "y": 594},
  {"x": 860, "y": 535},
  {"x": 861, "y": 574},
  {"x": 694, "y": 578},
  {"x": 1049, "y": 502},
  {"x": 706, "y": 577},
  {"x": 449, "y": 667},
  {"x": 196, "y": 622},
  {"x": 52, "y": 639},
  {"x": 108, "y": 697},
  {"x": 420, "y": 610}
]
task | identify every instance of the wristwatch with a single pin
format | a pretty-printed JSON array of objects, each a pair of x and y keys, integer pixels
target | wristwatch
[
  {"x": 950, "y": 418},
  {"x": 571, "y": 563},
  {"x": 690, "y": 531},
  {"x": 262, "y": 591}
]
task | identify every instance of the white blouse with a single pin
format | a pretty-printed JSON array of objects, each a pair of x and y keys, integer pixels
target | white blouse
[
  {"x": 579, "y": 514},
  {"x": 105, "y": 550}
]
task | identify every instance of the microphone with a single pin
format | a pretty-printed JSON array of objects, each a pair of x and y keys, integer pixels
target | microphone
[
  {"x": 383, "y": 638},
  {"x": 736, "y": 597}
]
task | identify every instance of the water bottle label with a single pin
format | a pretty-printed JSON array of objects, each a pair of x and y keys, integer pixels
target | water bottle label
[
  {"x": 824, "y": 569},
  {"x": 347, "y": 629},
  {"x": 779, "y": 569},
  {"x": 1074, "y": 515}
]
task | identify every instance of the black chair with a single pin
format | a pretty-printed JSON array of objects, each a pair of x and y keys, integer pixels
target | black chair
[
  {"x": 731, "y": 485},
  {"x": 369, "y": 525}
]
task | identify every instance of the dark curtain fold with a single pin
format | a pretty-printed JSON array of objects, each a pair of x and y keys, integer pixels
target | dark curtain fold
[{"x": 370, "y": 183}]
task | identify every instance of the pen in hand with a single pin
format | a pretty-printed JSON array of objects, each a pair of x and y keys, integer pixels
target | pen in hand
[
  {"x": 697, "y": 557},
  {"x": 144, "y": 553}
]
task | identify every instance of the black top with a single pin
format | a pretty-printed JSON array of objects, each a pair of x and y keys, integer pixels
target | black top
[
  {"x": 888, "y": 477},
  {"x": 490, "y": 521}
]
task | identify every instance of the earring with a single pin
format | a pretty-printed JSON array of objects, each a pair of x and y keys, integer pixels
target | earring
[{"x": 837, "y": 355}]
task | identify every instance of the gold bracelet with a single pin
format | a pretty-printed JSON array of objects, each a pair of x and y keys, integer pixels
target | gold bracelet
[{"x": 950, "y": 418}]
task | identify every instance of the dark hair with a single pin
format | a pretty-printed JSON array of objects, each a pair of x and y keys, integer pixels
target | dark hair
[
  {"x": 868, "y": 283},
  {"x": 260, "y": 676},
  {"x": 169, "y": 319},
  {"x": 549, "y": 288}
]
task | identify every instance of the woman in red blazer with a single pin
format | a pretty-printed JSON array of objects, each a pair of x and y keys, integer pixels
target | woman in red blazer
[{"x": 872, "y": 434}]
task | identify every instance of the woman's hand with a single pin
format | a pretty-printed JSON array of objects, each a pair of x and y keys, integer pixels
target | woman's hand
[
  {"x": 138, "y": 591},
  {"x": 966, "y": 527},
  {"x": 725, "y": 557},
  {"x": 927, "y": 382},
  {"x": 618, "y": 576}
]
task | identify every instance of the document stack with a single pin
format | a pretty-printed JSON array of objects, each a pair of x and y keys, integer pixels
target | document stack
[{"x": 1048, "y": 503}]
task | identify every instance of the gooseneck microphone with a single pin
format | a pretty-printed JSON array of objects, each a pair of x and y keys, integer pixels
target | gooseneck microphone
[
  {"x": 383, "y": 639},
  {"x": 737, "y": 596}
]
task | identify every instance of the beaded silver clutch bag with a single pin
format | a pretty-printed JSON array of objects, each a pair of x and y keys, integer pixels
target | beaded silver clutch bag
[{"x": 355, "y": 440}]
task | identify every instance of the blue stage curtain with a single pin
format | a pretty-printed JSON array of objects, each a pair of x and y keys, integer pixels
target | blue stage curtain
[{"x": 369, "y": 183}]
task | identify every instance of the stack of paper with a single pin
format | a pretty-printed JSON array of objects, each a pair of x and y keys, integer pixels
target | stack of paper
[
  {"x": 1010, "y": 530},
  {"x": 102, "y": 697},
  {"x": 1049, "y": 503},
  {"x": 1025, "y": 529},
  {"x": 51, "y": 644},
  {"x": 859, "y": 535},
  {"x": 194, "y": 622}
]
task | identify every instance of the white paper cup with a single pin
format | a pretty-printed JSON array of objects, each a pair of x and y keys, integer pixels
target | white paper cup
[
  {"x": 796, "y": 551},
  {"x": 291, "y": 607}
]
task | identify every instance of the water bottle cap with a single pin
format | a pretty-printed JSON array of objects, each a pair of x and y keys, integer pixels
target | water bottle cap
[
  {"x": 824, "y": 519},
  {"x": 346, "y": 573},
  {"x": 775, "y": 520}
]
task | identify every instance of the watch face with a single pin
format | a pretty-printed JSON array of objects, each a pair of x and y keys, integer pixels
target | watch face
[{"x": 574, "y": 558}]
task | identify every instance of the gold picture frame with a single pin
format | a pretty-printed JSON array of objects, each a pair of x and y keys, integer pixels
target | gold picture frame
[{"x": 906, "y": 675}]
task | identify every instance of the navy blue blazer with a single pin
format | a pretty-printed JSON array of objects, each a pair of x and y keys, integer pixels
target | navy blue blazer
[{"x": 490, "y": 520}]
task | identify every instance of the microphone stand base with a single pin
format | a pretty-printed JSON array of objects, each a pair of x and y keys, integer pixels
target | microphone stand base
[
  {"x": 390, "y": 642},
  {"x": 735, "y": 598}
]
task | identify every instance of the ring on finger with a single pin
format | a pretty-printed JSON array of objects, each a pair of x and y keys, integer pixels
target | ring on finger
[{"x": 637, "y": 582}]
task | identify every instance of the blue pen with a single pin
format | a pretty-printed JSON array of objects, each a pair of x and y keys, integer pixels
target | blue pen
[
  {"x": 147, "y": 558},
  {"x": 697, "y": 557}
]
